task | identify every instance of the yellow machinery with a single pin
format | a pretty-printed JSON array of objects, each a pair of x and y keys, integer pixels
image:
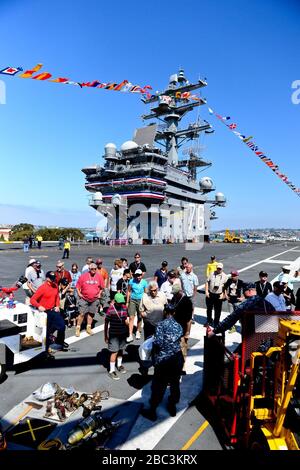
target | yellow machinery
[
  {"x": 274, "y": 400},
  {"x": 231, "y": 237},
  {"x": 252, "y": 396}
]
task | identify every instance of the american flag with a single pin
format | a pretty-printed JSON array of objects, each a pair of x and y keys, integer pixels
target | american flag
[
  {"x": 232, "y": 126},
  {"x": 11, "y": 70}
]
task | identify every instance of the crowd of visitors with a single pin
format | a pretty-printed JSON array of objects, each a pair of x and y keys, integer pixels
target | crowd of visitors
[{"x": 162, "y": 308}]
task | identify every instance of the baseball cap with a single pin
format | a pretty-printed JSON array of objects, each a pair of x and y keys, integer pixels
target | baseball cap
[
  {"x": 119, "y": 298},
  {"x": 286, "y": 268},
  {"x": 50, "y": 275},
  {"x": 38, "y": 263},
  {"x": 138, "y": 271},
  {"x": 92, "y": 266},
  {"x": 172, "y": 273},
  {"x": 248, "y": 286},
  {"x": 220, "y": 265},
  {"x": 31, "y": 261},
  {"x": 176, "y": 289},
  {"x": 60, "y": 263},
  {"x": 263, "y": 274},
  {"x": 234, "y": 273},
  {"x": 279, "y": 284},
  {"x": 99, "y": 260}
]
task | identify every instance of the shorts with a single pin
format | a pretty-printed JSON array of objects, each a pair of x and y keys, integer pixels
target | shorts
[
  {"x": 134, "y": 308},
  {"x": 116, "y": 343},
  {"x": 84, "y": 306}
]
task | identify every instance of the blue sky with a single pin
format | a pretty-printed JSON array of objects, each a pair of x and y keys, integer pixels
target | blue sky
[{"x": 248, "y": 51}]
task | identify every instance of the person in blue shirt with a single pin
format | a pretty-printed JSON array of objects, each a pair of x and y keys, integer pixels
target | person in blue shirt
[
  {"x": 137, "y": 286},
  {"x": 161, "y": 275},
  {"x": 168, "y": 363}
]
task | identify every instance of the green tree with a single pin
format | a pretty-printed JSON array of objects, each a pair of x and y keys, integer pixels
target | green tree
[{"x": 22, "y": 228}]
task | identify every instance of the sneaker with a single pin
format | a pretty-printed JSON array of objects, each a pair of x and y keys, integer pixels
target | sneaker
[
  {"x": 149, "y": 414},
  {"x": 49, "y": 356},
  {"x": 171, "y": 409},
  {"x": 129, "y": 339},
  {"x": 89, "y": 330},
  {"x": 232, "y": 329},
  {"x": 138, "y": 335},
  {"x": 113, "y": 375},
  {"x": 77, "y": 331},
  {"x": 121, "y": 369}
]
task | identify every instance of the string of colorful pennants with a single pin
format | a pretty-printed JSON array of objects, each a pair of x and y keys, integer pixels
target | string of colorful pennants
[
  {"x": 252, "y": 146},
  {"x": 124, "y": 86}
]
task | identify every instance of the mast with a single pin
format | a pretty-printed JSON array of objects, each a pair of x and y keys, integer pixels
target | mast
[{"x": 173, "y": 104}]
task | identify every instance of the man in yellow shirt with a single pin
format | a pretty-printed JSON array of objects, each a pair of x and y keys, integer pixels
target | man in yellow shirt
[
  {"x": 67, "y": 247},
  {"x": 211, "y": 267},
  {"x": 39, "y": 239}
]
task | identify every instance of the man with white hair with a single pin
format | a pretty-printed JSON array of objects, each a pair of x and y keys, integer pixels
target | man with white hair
[{"x": 152, "y": 308}]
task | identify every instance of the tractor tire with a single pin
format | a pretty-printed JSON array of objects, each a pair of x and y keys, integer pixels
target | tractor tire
[
  {"x": 2, "y": 371},
  {"x": 258, "y": 441}
]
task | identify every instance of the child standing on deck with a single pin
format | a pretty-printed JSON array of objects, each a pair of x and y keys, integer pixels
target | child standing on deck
[{"x": 115, "y": 333}]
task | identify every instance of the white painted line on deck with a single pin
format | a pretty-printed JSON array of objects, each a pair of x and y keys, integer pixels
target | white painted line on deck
[
  {"x": 145, "y": 434},
  {"x": 278, "y": 261},
  {"x": 83, "y": 335}
]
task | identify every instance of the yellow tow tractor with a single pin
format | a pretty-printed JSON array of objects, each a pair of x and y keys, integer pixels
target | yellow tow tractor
[
  {"x": 252, "y": 395},
  {"x": 231, "y": 237}
]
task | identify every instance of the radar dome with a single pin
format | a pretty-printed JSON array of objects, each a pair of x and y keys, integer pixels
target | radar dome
[
  {"x": 206, "y": 183},
  {"x": 129, "y": 145},
  {"x": 220, "y": 198},
  {"x": 96, "y": 199},
  {"x": 110, "y": 150},
  {"x": 116, "y": 200}
]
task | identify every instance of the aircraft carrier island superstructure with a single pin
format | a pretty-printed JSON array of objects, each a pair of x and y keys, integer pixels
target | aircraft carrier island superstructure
[{"x": 147, "y": 193}]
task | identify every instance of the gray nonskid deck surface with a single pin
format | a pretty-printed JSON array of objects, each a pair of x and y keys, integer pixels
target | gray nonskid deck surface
[{"x": 84, "y": 366}]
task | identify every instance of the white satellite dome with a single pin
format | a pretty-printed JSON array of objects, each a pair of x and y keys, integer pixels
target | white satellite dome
[
  {"x": 129, "y": 145},
  {"x": 220, "y": 197},
  {"x": 116, "y": 200},
  {"x": 110, "y": 150},
  {"x": 97, "y": 197},
  {"x": 206, "y": 183}
]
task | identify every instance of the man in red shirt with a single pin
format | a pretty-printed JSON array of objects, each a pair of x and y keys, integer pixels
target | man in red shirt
[
  {"x": 62, "y": 273},
  {"x": 46, "y": 299},
  {"x": 89, "y": 288}
]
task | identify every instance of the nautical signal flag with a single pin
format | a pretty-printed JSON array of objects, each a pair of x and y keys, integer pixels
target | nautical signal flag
[
  {"x": 124, "y": 86},
  {"x": 264, "y": 158},
  {"x": 11, "y": 70}
]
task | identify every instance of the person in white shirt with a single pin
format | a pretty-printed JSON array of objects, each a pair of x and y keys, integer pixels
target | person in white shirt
[
  {"x": 286, "y": 276},
  {"x": 166, "y": 287},
  {"x": 86, "y": 267},
  {"x": 276, "y": 297},
  {"x": 115, "y": 275}
]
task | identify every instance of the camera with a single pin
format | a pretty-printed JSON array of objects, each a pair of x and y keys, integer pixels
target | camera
[{"x": 21, "y": 281}]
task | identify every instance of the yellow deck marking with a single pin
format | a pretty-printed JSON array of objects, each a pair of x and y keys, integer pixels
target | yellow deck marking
[
  {"x": 32, "y": 429},
  {"x": 195, "y": 436}
]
